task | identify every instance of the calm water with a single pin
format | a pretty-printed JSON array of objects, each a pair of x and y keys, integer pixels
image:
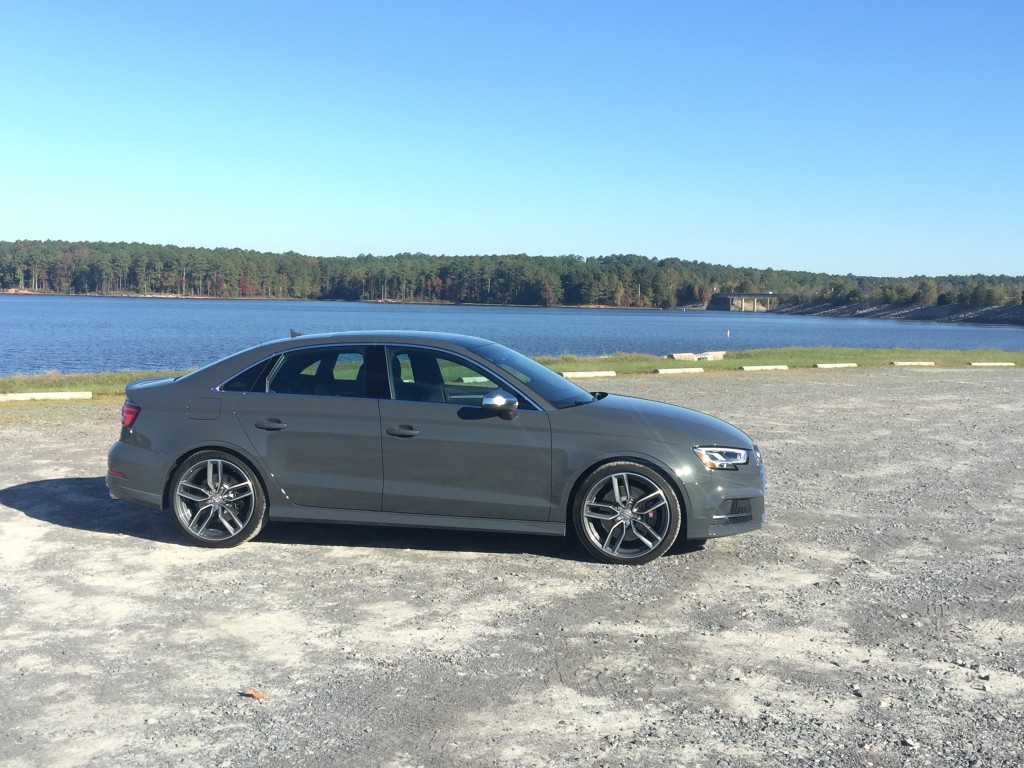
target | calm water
[{"x": 88, "y": 333}]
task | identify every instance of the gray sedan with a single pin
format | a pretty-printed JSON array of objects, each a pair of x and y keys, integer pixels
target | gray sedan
[{"x": 431, "y": 430}]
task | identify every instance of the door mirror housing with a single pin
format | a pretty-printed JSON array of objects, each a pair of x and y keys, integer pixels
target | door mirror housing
[{"x": 502, "y": 403}]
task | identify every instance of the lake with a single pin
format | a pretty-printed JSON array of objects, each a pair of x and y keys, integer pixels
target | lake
[{"x": 75, "y": 334}]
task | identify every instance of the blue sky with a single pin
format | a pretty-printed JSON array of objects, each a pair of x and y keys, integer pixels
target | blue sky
[{"x": 877, "y": 138}]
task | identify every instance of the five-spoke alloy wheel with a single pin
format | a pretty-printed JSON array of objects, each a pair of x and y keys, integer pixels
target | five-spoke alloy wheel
[
  {"x": 626, "y": 512},
  {"x": 217, "y": 499}
]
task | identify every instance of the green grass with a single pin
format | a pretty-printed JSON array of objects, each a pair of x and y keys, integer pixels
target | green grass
[
  {"x": 113, "y": 383},
  {"x": 794, "y": 357}
]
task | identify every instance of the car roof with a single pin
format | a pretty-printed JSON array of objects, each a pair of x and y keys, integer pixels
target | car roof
[
  {"x": 217, "y": 370},
  {"x": 384, "y": 337}
]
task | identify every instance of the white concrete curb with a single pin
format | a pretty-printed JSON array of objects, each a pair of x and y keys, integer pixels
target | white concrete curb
[
  {"x": 716, "y": 355},
  {"x": 835, "y": 365},
  {"x": 46, "y": 396},
  {"x": 587, "y": 374},
  {"x": 906, "y": 364},
  {"x": 993, "y": 365},
  {"x": 764, "y": 367},
  {"x": 679, "y": 370}
]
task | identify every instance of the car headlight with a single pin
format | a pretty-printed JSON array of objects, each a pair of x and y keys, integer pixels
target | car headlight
[{"x": 721, "y": 458}]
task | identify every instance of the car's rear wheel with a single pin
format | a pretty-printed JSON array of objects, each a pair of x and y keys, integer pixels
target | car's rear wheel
[
  {"x": 217, "y": 499},
  {"x": 625, "y": 512}
]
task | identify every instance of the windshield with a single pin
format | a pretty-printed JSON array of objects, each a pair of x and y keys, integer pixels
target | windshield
[{"x": 558, "y": 391}]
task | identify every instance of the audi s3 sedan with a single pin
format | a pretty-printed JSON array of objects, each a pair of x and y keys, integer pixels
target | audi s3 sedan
[{"x": 430, "y": 430}]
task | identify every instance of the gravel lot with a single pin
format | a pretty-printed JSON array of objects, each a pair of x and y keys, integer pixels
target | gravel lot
[{"x": 876, "y": 620}]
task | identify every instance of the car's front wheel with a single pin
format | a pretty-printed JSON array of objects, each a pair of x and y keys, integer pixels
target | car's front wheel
[
  {"x": 626, "y": 512},
  {"x": 217, "y": 499}
]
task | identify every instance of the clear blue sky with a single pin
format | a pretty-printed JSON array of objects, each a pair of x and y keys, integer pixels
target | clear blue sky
[{"x": 878, "y": 138}]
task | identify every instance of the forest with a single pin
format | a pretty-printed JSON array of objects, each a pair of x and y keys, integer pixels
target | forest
[{"x": 620, "y": 280}]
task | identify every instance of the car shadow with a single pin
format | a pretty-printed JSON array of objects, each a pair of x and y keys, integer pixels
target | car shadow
[
  {"x": 82, "y": 503},
  {"x": 423, "y": 540},
  {"x": 439, "y": 540}
]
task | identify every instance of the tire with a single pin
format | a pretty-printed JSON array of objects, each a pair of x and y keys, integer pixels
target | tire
[
  {"x": 217, "y": 499},
  {"x": 626, "y": 513}
]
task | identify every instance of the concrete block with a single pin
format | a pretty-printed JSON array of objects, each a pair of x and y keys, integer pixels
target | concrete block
[
  {"x": 46, "y": 396},
  {"x": 588, "y": 374}
]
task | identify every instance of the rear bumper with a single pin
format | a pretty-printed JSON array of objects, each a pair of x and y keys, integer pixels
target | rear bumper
[{"x": 136, "y": 476}]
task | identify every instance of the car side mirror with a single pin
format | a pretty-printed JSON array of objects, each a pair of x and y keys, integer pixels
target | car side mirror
[{"x": 502, "y": 403}]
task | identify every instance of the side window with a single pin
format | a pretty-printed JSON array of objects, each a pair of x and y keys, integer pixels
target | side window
[
  {"x": 324, "y": 372},
  {"x": 425, "y": 376},
  {"x": 348, "y": 367},
  {"x": 247, "y": 380}
]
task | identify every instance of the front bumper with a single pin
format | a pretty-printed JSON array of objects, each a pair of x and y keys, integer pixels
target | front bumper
[{"x": 725, "y": 502}]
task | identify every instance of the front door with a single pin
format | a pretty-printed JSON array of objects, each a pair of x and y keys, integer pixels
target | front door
[{"x": 445, "y": 455}]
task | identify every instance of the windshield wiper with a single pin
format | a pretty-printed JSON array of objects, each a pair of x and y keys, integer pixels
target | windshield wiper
[{"x": 574, "y": 403}]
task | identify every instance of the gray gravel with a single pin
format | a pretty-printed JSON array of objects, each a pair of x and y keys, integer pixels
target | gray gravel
[{"x": 876, "y": 620}]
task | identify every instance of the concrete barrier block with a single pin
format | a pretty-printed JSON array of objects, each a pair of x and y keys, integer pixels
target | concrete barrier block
[
  {"x": 679, "y": 370},
  {"x": 835, "y": 365},
  {"x": 909, "y": 363},
  {"x": 587, "y": 374},
  {"x": 711, "y": 356},
  {"x": 46, "y": 396},
  {"x": 993, "y": 365},
  {"x": 682, "y": 356},
  {"x": 764, "y": 367}
]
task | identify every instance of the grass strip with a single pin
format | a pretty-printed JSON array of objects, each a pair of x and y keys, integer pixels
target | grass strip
[
  {"x": 794, "y": 357},
  {"x": 100, "y": 384},
  {"x": 624, "y": 364}
]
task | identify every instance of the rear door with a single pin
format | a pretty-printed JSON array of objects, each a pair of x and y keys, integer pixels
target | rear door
[{"x": 313, "y": 425}]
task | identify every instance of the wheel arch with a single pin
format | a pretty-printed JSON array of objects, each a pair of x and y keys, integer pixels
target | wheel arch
[
  {"x": 228, "y": 449},
  {"x": 647, "y": 461}
]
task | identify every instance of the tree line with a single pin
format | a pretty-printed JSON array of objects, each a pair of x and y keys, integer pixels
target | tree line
[{"x": 622, "y": 280}]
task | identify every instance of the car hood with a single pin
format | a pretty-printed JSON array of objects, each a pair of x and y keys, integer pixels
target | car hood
[{"x": 634, "y": 417}]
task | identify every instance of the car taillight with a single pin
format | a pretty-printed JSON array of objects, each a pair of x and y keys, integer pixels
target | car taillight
[{"x": 129, "y": 413}]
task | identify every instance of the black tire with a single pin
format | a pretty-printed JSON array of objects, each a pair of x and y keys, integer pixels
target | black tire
[
  {"x": 626, "y": 513},
  {"x": 217, "y": 499}
]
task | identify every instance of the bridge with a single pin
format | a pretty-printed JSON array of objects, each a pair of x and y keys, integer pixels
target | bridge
[{"x": 744, "y": 302}]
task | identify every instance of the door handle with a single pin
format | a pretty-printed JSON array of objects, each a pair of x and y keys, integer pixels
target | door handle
[
  {"x": 403, "y": 430},
  {"x": 271, "y": 425}
]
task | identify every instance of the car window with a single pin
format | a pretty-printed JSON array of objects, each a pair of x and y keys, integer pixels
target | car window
[
  {"x": 324, "y": 372},
  {"x": 247, "y": 380},
  {"x": 429, "y": 376},
  {"x": 557, "y": 390}
]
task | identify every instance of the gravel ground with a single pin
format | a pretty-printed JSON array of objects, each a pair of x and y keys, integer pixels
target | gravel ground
[{"x": 876, "y": 620}]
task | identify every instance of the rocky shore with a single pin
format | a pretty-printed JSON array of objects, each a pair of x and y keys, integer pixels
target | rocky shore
[{"x": 948, "y": 313}]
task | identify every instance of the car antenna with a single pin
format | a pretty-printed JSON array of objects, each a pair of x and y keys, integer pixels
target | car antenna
[{"x": 295, "y": 333}]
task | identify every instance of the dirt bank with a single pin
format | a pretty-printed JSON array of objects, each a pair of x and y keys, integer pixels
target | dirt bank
[
  {"x": 948, "y": 313},
  {"x": 877, "y": 620}
]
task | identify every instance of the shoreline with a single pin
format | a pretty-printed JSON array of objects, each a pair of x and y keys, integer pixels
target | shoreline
[
  {"x": 950, "y": 313},
  {"x": 1012, "y": 314}
]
